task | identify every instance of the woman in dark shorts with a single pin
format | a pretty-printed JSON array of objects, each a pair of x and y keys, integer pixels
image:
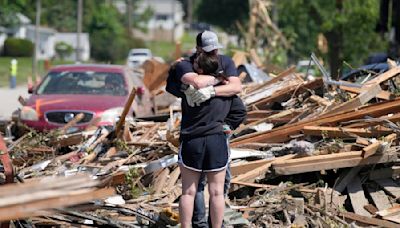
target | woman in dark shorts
[{"x": 204, "y": 147}]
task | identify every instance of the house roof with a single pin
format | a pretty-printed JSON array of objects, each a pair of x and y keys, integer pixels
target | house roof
[
  {"x": 42, "y": 29},
  {"x": 23, "y": 19}
]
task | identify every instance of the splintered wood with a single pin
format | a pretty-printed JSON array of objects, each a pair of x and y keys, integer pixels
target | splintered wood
[{"x": 301, "y": 154}]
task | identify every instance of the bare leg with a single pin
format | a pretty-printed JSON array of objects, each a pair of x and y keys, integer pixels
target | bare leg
[
  {"x": 190, "y": 180},
  {"x": 216, "y": 189}
]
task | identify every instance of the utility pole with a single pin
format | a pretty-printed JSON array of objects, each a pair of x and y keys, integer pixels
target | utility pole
[
  {"x": 35, "y": 51},
  {"x": 190, "y": 12},
  {"x": 129, "y": 16},
  {"x": 173, "y": 9},
  {"x": 78, "y": 33}
]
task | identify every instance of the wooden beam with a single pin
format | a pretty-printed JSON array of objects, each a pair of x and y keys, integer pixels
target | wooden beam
[
  {"x": 391, "y": 214},
  {"x": 329, "y": 161},
  {"x": 239, "y": 58},
  {"x": 256, "y": 59},
  {"x": 36, "y": 208},
  {"x": 341, "y": 132},
  {"x": 384, "y": 77},
  {"x": 160, "y": 181},
  {"x": 282, "y": 134},
  {"x": 261, "y": 170},
  {"x": 370, "y": 149},
  {"x": 385, "y": 95},
  {"x": 274, "y": 80},
  {"x": 285, "y": 94},
  {"x": 320, "y": 100},
  {"x": 358, "y": 101},
  {"x": 368, "y": 221},
  {"x": 238, "y": 169}
]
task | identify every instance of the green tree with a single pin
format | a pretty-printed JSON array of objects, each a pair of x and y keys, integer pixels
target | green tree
[
  {"x": 223, "y": 13},
  {"x": 347, "y": 25}
]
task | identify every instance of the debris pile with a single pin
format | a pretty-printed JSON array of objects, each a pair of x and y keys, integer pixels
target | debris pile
[{"x": 312, "y": 153}]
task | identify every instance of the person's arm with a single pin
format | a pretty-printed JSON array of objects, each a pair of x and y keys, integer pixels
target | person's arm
[
  {"x": 199, "y": 81},
  {"x": 232, "y": 87}
]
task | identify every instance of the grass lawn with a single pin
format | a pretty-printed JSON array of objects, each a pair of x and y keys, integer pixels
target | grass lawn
[
  {"x": 23, "y": 71},
  {"x": 166, "y": 49},
  {"x": 163, "y": 49}
]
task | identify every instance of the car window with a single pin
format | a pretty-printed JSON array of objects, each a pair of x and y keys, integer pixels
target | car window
[
  {"x": 139, "y": 54},
  {"x": 101, "y": 83}
]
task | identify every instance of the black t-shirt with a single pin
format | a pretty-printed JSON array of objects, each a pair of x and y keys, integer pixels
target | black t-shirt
[{"x": 209, "y": 117}]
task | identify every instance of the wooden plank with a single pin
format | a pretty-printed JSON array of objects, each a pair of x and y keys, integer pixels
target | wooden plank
[
  {"x": 357, "y": 197},
  {"x": 362, "y": 141},
  {"x": 361, "y": 99},
  {"x": 34, "y": 208},
  {"x": 255, "y": 185},
  {"x": 173, "y": 177},
  {"x": 335, "y": 132},
  {"x": 385, "y": 95},
  {"x": 391, "y": 214},
  {"x": 285, "y": 94},
  {"x": 371, "y": 209},
  {"x": 128, "y": 104},
  {"x": 238, "y": 169},
  {"x": 380, "y": 199},
  {"x": 384, "y": 77},
  {"x": 256, "y": 59},
  {"x": 370, "y": 149},
  {"x": 156, "y": 74},
  {"x": 347, "y": 177},
  {"x": 282, "y": 134},
  {"x": 318, "y": 163},
  {"x": 261, "y": 170},
  {"x": 320, "y": 100},
  {"x": 389, "y": 186},
  {"x": 160, "y": 181},
  {"x": 367, "y": 220},
  {"x": 239, "y": 58},
  {"x": 319, "y": 158},
  {"x": 72, "y": 123}
]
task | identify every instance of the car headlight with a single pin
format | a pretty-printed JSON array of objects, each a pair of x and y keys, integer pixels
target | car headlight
[
  {"x": 111, "y": 115},
  {"x": 28, "y": 113}
]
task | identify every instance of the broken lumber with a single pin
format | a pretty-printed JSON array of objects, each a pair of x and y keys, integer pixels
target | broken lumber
[
  {"x": 261, "y": 170},
  {"x": 341, "y": 132},
  {"x": 329, "y": 161},
  {"x": 281, "y": 134},
  {"x": 369, "y": 221}
]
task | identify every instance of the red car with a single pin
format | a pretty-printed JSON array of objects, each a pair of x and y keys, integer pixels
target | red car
[{"x": 97, "y": 91}]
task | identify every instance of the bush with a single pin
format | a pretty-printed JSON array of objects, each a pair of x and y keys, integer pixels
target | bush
[
  {"x": 63, "y": 49},
  {"x": 104, "y": 50},
  {"x": 15, "y": 47}
]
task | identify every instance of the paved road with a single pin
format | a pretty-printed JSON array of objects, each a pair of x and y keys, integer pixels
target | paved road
[{"x": 9, "y": 100}]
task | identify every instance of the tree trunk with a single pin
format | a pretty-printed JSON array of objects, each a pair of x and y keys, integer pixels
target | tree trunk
[
  {"x": 335, "y": 45},
  {"x": 335, "y": 54}
]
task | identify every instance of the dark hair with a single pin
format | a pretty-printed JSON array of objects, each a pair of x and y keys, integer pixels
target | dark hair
[
  {"x": 198, "y": 40},
  {"x": 208, "y": 63}
]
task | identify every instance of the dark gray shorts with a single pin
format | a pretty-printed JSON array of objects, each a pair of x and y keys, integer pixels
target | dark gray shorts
[{"x": 205, "y": 154}]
